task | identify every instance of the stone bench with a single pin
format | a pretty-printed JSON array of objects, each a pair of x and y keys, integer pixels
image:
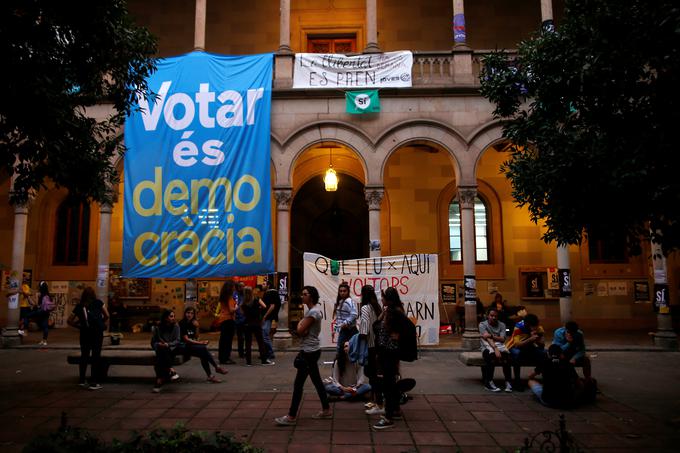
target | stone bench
[
  {"x": 123, "y": 357},
  {"x": 474, "y": 358}
]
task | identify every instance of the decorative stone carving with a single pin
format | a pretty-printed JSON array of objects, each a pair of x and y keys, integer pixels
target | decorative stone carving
[
  {"x": 283, "y": 198},
  {"x": 374, "y": 198},
  {"x": 466, "y": 197}
]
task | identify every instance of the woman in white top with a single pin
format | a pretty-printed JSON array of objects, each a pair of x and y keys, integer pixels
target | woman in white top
[{"x": 370, "y": 311}]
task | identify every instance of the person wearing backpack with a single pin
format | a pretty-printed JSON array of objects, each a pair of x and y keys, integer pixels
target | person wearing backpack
[
  {"x": 392, "y": 330},
  {"x": 90, "y": 316},
  {"x": 45, "y": 306}
]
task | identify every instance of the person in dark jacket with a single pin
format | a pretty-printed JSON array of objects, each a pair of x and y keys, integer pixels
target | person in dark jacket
[
  {"x": 194, "y": 347},
  {"x": 252, "y": 308},
  {"x": 166, "y": 343},
  {"x": 90, "y": 316}
]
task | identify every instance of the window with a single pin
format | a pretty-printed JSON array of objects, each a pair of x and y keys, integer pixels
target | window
[
  {"x": 332, "y": 43},
  {"x": 481, "y": 231},
  {"x": 72, "y": 234},
  {"x": 607, "y": 248}
]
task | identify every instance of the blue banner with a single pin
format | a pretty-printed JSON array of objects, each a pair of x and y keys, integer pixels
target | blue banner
[{"x": 197, "y": 181}]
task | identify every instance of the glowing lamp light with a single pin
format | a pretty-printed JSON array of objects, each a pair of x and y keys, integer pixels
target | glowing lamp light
[{"x": 330, "y": 181}]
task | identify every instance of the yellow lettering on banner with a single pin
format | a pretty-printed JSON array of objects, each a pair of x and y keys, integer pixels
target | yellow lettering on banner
[
  {"x": 247, "y": 179},
  {"x": 156, "y": 188},
  {"x": 255, "y": 245},
  {"x": 212, "y": 185},
  {"x": 187, "y": 254},
  {"x": 171, "y": 195},
  {"x": 166, "y": 238},
  {"x": 212, "y": 260},
  {"x": 139, "y": 255}
]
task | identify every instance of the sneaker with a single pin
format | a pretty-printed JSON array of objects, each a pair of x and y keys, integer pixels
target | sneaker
[
  {"x": 43, "y": 343},
  {"x": 213, "y": 379},
  {"x": 369, "y": 405},
  {"x": 268, "y": 362},
  {"x": 156, "y": 389},
  {"x": 83, "y": 384},
  {"x": 286, "y": 420},
  {"x": 321, "y": 415},
  {"x": 508, "y": 387},
  {"x": 375, "y": 410},
  {"x": 221, "y": 370},
  {"x": 21, "y": 333},
  {"x": 174, "y": 376},
  {"x": 95, "y": 387},
  {"x": 383, "y": 423},
  {"x": 490, "y": 386}
]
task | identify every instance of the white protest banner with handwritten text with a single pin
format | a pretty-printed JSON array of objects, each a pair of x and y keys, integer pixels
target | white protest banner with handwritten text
[{"x": 414, "y": 276}]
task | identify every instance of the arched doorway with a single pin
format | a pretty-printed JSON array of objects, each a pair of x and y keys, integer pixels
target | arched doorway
[{"x": 333, "y": 224}]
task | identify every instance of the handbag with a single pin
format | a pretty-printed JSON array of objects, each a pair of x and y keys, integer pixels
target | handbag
[{"x": 299, "y": 361}]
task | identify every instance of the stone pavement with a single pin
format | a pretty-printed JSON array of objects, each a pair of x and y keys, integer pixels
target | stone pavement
[{"x": 639, "y": 409}]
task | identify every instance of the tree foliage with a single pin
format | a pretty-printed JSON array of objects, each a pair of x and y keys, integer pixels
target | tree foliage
[
  {"x": 593, "y": 111},
  {"x": 62, "y": 58}
]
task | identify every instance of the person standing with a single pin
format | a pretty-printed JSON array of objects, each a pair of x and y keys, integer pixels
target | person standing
[
  {"x": 239, "y": 319},
  {"x": 307, "y": 360},
  {"x": 90, "y": 316},
  {"x": 345, "y": 315},
  {"x": 370, "y": 311},
  {"x": 272, "y": 301},
  {"x": 45, "y": 305},
  {"x": 252, "y": 307},
  {"x": 388, "y": 329},
  {"x": 492, "y": 339},
  {"x": 225, "y": 316},
  {"x": 194, "y": 347}
]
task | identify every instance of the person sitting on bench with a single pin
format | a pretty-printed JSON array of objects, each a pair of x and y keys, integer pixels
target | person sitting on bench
[
  {"x": 165, "y": 341},
  {"x": 526, "y": 345},
  {"x": 492, "y": 339},
  {"x": 193, "y": 347}
]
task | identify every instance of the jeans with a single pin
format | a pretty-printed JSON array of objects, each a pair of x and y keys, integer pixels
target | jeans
[
  {"x": 343, "y": 336},
  {"x": 240, "y": 331},
  {"x": 528, "y": 355},
  {"x": 310, "y": 369},
  {"x": 335, "y": 390},
  {"x": 266, "y": 337},
  {"x": 388, "y": 362},
  {"x": 256, "y": 331},
  {"x": 201, "y": 351},
  {"x": 491, "y": 361},
  {"x": 164, "y": 360},
  {"x": 91, "y": 352},
  {"x": 42, "y": 318},
  {"x": 226, "y": 339}
]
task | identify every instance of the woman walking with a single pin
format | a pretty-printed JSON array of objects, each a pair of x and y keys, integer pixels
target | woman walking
[
  {"x": 45, "y": 305},
  {"x": 306, "y": 361},
  {"x": 226, "y": 315},
  {"x": 370, "y": 311},
  {"x": 193, "y": 347},
  {"x": 387, "y": 330},
  {"x": 90, "y": 316},
  {"x": 165, "y": 341}
]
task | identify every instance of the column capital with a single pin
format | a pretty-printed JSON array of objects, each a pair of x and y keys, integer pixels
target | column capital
[
  {"x": 374, "y": 196},
  {"x": 466, "y": 196},
  {"x": 105, "y": 208},
  {"x": 283, "y": 197}
]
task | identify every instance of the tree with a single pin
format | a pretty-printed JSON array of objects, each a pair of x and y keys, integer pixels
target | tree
[
  {"x": 60, "y": 59},
  {"x": 592, "y": 111}
]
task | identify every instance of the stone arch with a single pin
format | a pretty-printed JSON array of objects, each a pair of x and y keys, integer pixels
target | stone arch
[
  {"x": 482, "y": 138},
  {"x": 337, "y": 132},
  {"x": 411, "y": 131}
]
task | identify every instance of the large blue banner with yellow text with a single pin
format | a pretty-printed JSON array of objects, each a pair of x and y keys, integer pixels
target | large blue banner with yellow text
[{"x": 197, "y": 185}]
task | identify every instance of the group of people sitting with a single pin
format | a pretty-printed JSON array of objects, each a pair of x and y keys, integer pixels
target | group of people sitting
[{"x": 560, "y": 385}]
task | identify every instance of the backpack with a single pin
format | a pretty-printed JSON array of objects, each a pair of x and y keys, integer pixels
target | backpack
[
  {"x": 408, "y": 342},
  {"x": 47, "y": 304}
]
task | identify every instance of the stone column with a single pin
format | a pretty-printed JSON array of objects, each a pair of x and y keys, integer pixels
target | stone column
[
  {"x": 547, "y": 15},
  {"x": 374, "y": 196},
  {"x": 466, "y": 198},
  {"x": 564, "y": 274},
  {"x": 462, "y": 53},
  {"x": 371, "y": 27},
  {"x": 284, "y": 27},
  {"x": 10, "y": 335},
  {"x": 459, "y": 33},
  {"x": 199, "y": 24},
  {"x": 283, "y": 197},
  {"x": 103, "y": 252},
  {"x": 664, "y": 336}
]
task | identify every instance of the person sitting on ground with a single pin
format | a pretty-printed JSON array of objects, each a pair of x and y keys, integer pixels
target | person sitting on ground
[
  {"x": 193, "y": 347},
  {"x": 573, "y": 344},
  {"x": 349, "y": 384},
  {"x": 492, "y": 339},
  {"x": 526, "y": 345},
  {"x": 561, "y": 387}
]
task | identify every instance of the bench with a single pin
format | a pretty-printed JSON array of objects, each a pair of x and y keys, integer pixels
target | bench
[
  {"x": 474, "y": 358},
  {"x": 123, "y": 357}
]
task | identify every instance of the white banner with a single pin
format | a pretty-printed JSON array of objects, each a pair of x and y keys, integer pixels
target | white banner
[
  {"x": 414, "y": 276},
  {"x": 379, "y": 70}
]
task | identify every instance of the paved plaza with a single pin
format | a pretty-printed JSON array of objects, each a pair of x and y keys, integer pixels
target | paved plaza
[{"x": 638, "y": 410}]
